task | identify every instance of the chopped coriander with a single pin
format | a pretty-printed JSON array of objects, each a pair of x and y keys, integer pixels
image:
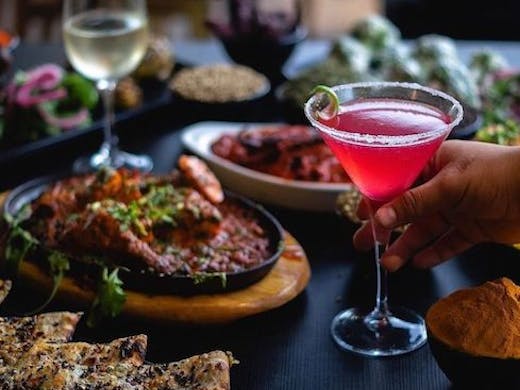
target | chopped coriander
[
  {"x": 110, "y": 298},
  {"x": 201, "y": 261},
  {"x": 22, "y": 215},
  {"x": 201, "y": 277},
  {"x": 19, "y": 243},
  {"x": 58, "y": 265}
]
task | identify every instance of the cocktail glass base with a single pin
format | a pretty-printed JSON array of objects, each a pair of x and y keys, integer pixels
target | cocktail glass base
[{"x": 369, "y": 334}]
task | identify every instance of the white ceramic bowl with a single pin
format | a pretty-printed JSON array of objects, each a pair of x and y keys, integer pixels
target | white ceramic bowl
[{"x": 264, "y": 188}]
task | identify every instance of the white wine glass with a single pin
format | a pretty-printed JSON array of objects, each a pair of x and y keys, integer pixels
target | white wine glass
[{"x": 105, "y": 41}]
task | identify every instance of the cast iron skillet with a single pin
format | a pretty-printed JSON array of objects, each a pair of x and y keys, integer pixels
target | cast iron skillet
[{"x": 148, "y": 281}]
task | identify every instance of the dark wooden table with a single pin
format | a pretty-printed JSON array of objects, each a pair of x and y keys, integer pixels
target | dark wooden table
[{"x": 288, "y": 348}]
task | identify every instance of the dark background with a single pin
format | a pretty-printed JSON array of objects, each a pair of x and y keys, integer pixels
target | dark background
[
  {"x": 461, "y": 19},
  {"x": 178, "y": 19}
]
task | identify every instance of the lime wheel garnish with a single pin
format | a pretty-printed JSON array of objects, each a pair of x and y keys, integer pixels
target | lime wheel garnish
[{"x": 326, "y": 103}]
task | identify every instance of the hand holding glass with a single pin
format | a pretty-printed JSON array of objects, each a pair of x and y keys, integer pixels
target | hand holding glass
[{"x": 384, "y": 133}]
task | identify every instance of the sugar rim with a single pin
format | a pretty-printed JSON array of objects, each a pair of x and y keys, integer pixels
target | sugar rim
[{"x": 386, "y": 140}]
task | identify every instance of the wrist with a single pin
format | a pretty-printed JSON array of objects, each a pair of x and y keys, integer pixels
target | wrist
[{"x": 515, "y": 169}]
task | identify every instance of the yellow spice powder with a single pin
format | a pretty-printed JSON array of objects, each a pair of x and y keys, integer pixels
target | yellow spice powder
[{"x": 482, "y": 321}]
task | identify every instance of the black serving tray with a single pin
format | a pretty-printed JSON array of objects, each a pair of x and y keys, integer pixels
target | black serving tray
[
  {"x": 151, "y": 282},
  {"x": 155, "y": 95}
]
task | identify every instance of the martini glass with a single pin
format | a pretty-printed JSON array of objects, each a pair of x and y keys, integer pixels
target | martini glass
[{"x": 383, "y": 133}]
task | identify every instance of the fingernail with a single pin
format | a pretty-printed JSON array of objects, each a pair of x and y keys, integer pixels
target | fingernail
[{"x": 386, "y": 216}]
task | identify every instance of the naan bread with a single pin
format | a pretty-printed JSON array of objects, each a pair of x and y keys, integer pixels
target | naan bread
[
  {"x": 209, "y": 371},
  {"x": 18, "y": 334},
  {"x": 35, "y": 354},
  {"x": 5, "y": 287},
  {"x": 43, "y": 361}
]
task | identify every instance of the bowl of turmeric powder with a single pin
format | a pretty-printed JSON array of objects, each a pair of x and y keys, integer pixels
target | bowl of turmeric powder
[{"x": 474, "y": 334}]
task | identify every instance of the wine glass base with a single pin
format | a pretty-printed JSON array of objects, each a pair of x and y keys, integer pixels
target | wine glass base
[
  {"x": 363, "y": 333},
  {"x": 117, "y": 159}
]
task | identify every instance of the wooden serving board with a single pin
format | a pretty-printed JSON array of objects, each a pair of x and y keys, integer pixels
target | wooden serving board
[{"x": 284, "y": 282}]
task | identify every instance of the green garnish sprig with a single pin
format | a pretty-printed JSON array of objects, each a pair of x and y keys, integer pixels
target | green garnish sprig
[
  {"x": 110, "y": 297},
  {"x": 19, "y": 241},
  {"x": 58, "y": 265},
  {"x": 202, "y": 277}
]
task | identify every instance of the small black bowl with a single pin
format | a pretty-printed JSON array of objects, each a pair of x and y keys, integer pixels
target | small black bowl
[
  {"x": 152, "y": 282},
  {"x": 250, "y": 109},
  {"x": 264, "y": 55},
  {"x": 471, "y": 122},
  {"x": 476, "y": 372}
]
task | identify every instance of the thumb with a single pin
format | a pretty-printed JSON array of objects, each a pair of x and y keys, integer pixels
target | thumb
[{"x": 441, "y": 192}]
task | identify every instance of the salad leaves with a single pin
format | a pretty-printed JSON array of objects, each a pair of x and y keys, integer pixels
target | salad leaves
[
  {"x": 44, "y": 101},
  {"x": 501, "y": 112}
]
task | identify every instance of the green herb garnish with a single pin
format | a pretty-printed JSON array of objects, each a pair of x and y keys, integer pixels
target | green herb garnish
[
  {"x": 201, "y": 277},
  {"x": 22, "y": 215},
  {"x": 128, "y": 215},
  {"x": 162, "y": 204},
  {"x": 58, "y": 265},
  {"x": 110, "y": 298},
  {"x": 19, "y": 243}
]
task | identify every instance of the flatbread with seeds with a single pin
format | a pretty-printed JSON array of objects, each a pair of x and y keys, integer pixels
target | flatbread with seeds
[
  {"x": 44, "y": 360},
  {"x": 209, "y": 371},
  {"x": 5, "y": 287},
  {"x": 18, "y": 334}
]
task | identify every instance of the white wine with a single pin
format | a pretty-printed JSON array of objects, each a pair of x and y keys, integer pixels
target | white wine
[{"x": 105, "y": 45}]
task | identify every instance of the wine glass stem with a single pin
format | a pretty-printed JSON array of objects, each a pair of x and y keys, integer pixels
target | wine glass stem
[{"x": 106, "y": 89}]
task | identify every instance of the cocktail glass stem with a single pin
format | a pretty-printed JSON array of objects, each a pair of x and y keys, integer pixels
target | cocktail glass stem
[
  {"x": 382, "y": 282},
  {"x": 379, "y": 315}
]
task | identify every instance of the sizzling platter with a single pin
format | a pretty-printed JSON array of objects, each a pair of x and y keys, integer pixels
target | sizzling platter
[{"x": 163, "y": 233}]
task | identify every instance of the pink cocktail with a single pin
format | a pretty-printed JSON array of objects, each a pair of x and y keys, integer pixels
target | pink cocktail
[
  {"x": 381, "y": 172},
  {"x": 384, "y": 134}
]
